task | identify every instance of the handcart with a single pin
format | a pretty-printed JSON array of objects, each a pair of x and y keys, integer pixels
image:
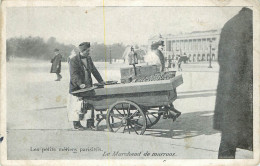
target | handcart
[{"x": 132, "y": 107}]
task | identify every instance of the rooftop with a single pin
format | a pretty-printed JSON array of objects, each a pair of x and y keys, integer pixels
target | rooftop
[{"x": 214, "y": 31}]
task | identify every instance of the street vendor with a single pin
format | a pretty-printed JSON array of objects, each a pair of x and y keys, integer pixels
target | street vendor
[
  {"x": 155, "y": 56},
  {"x": 81, "y": 68}
]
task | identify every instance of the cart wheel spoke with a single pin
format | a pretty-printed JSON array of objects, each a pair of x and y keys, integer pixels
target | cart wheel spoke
[
  {"x": 134, "y": 129},
  {"x": 124, "y": 129},
  {"x": 119, "y": 128},
  {"x": 133, "y": 114},
  {"x": 116, "y": 116},
  {"x": 128, "y": 109},
  {"x": 128, "y": 129},
  {"x": 137, "y": 124},
  {"x": 123, "y": 109},
  {"x": 154, "y": 116},
  {"x": 119, "y": 112},
  {"x": 149, "y": 119}
]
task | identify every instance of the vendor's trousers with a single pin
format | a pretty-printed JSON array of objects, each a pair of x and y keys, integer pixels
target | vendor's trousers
[{"x": 74, "y": 109}]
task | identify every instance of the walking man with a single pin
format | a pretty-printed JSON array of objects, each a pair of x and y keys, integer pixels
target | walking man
[
  {"x": 179, "y": 63},
  {"x": 56, "y": 64}
]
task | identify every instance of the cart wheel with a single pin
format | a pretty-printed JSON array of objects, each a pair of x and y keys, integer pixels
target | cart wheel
[
  {"x": 126, "y": 116},
  {"x": 152, "y": 117}
]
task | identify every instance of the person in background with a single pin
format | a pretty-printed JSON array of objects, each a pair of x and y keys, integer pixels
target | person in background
[
  {"x": 81, "y": 68},
  {"x": 179, "y": 61},
  {"x": 169, "y": 61},
  {"x": 56, "y": 64},
  {"x": 131, "y": 55},
  {"x": 155, "y": 56},
  {"x": 173, "y": 61},
  {"x": 233, "y": 114}
]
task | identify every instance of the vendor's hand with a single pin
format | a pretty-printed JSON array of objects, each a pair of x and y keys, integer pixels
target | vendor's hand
[{"x": 82, "y": 86}]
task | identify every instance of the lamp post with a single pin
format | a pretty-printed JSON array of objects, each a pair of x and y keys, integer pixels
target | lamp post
[
  {"x": 210, "y": 54},
  {"x": 110, "y": 59}
]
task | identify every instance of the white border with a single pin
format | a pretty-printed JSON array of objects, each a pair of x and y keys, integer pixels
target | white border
[{"x": 254, "y": 3}]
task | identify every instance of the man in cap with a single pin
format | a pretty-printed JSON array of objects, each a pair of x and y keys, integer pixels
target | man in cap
[
  {"x": 56, "y": 64},
  {"x": 81, "y": 68}
]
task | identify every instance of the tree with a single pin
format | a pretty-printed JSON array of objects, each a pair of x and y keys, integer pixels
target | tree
[{"x": 37, "y": 48}]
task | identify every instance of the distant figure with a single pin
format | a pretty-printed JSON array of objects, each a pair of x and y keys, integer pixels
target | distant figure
[
  {"x": 155, "y": 56},
  {"x": 169, "y": 62},
  {"x": 189, "y": 58},
  {"x": 132, "y": 57},
  {"x": 56, "y": 64},
  {"x": 173, "y": 61},
  {"x": 179, "y": 63},
  {"x": 234, "y": 102}
]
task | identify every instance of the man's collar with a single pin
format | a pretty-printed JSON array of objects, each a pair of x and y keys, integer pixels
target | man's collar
[{"x": 83, "y": 57}]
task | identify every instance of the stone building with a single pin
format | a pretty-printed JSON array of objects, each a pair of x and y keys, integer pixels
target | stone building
[{"x": 195, "y": 45}]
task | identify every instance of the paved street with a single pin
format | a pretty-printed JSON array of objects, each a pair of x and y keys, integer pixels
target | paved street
[{"x": 38, "y": 127}]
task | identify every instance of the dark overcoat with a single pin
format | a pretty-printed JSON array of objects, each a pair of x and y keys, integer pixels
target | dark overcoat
[
  {"x": 56, "y": 64},
  {"x": 77, "y": 73},
  {"x": 161, "y": 57},
  {"x": 234, "y": 102}
]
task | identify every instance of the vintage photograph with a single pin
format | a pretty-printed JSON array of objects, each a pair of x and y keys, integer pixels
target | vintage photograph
[{"x": 129, "y": 82}]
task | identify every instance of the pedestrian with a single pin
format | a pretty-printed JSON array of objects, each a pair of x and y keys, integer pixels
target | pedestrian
[
  {"x": 169, "y": 62},
  {"x": 81, "y": 68},
  {"x": 173, "y": 61},
  {"x": 179, "y": 63},
  {"x": 56, "y": 64},
  {"x": 132, "y": 57},
  {"x": 233, "y": 114}
]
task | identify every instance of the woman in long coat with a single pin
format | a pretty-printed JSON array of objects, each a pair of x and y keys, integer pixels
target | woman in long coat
[
  {"x": 56, "y": 64},
  {"x": 234, "y": 102}
]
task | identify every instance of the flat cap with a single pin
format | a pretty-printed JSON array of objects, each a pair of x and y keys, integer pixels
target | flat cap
[{"x": 83, "y": 46}]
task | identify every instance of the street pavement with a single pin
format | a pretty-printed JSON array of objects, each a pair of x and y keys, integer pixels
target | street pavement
[{"x": 38, "y": 127}]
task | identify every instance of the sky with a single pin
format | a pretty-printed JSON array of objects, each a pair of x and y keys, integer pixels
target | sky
[{"x": 128, "y": 25}]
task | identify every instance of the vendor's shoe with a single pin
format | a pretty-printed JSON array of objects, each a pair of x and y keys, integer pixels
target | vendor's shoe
[
  {"x": 81, "y": 116},
  {"x": 77, "y": 125},
  {"x": 90, "y": 124}
]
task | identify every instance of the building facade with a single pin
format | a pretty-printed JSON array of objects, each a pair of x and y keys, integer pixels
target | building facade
[{"x": 197, "y": 45}]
